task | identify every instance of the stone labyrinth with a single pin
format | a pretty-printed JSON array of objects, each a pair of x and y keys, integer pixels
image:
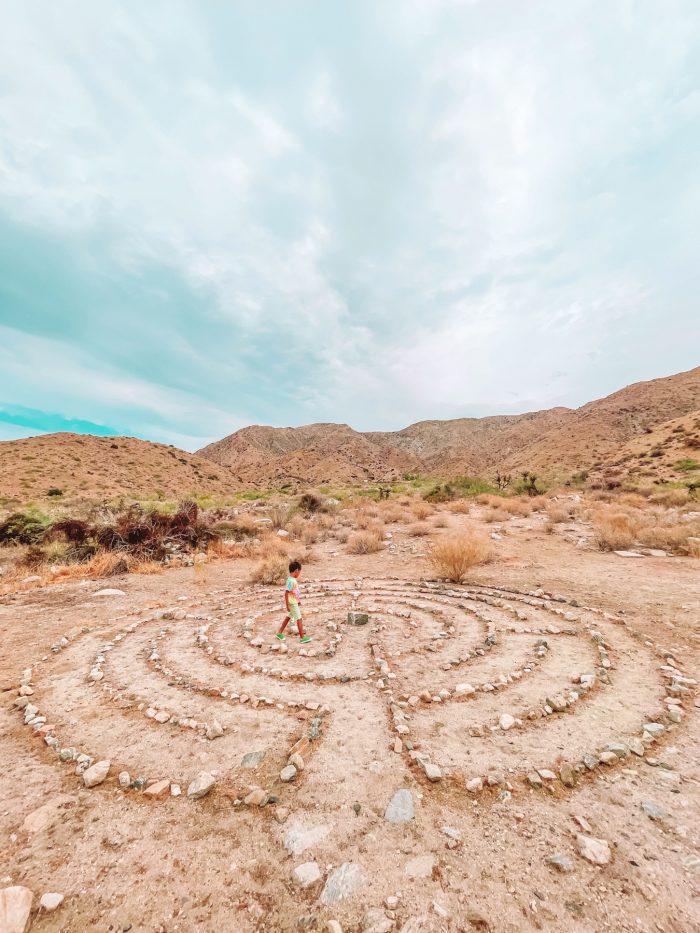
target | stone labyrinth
[{"x": 478, "y": 690}]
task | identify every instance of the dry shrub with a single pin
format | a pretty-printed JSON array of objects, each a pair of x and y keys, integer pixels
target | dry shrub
[
  {"x": 440, "y": 521},
  {"x": 460, "y": 506},
  {"x": 296, "y": 526},
  {"x": 393, "y": 515},
  {"x": 496, "y": 515},
  {"x": 538, "y": 503},
  {"x": 245, "y": 526},
  {"x": 364, "y": 519},
  {"x": 632, "y": 500},
  {"x": 452, "y": 558},
  {"x": 279, "y": 516},
  {"x": 310, "y": 533},
  {"x": 671, "y": 497},
  {"x": 342, "y": 535},
  {"x": 419, "y": 530},
  {"x": 365, "y": 542},
  {"x": 669, "y": 534},
  {"x": 271, "y": 570},
  {"x": 518, "y": 507},
  {"x": 556, "y": 514},
  {"x": 422, "y": 510},
  {"x": 613, "y": 531}
]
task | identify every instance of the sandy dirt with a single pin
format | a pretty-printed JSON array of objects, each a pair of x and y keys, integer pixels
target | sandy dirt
[{"x": 356, "y": 698}]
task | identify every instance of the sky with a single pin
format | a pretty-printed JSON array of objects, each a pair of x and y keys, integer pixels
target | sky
[{"x": 214, "y": 214}]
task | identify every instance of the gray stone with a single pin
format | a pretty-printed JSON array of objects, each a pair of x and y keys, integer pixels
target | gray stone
[
  {"x": 636, "y": 746},
  {"x": 342, "y": 883},
  {"x": 400, "y": 807},
  {"x": 358, "y": 618},
  {"x": 567, "y": 775},
  {"x": 654, "y": 811},
  {"x": 307, "y": 874},
  {"x": 432, "y": 772},
  {"x": 201, "y": 785},
  {"x": 96, "y": 774},
  {"x": 654, "y": 728},
  {"x": 252, "y": 759},
  {"x": 288, "y": 774},
  {"x": 214, "y": 730},
  {"x": 561, "y": 862},
  {"x": 619, "y": 748}
]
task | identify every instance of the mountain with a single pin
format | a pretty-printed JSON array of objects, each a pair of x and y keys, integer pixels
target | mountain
[
  {"x": 104, "y": 468},
  {"x": 555, "y": 443}
]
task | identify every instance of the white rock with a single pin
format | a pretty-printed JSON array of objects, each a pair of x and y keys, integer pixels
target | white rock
[
  {"x": 15, "y": 909},
  {"x": 288, "y": 774},
  {"x": 51, "y": 901},
  {"x": 596, "y": 851},
  {"x": 201, "y": 785},
  {"x": 97, "y": 773},
  {"x": 307, "y": 874},
  {"x": 124, "y": 779},
  {"x": 109, "y": 592},
  {"x": 506, "y": 722}
]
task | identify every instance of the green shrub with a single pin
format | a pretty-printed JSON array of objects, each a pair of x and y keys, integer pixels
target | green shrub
[
  {"x": 24, "y": 527},
  {"x": 687, "y": 465},
  {"x": 54, "y": 492}
]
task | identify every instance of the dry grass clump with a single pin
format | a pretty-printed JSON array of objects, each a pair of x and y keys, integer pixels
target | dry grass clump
[
  {"x": 671, "y": 497},
  {"x": 453, "y": 558},
  {"x": 419, "y": 530},
  {"x": 537, "y": 503},
  {"x": 496, "y": 515},
  {"x": 520, "y": 508},
  {"x": 393, "y": 515},
  {"x": 271, "y": 570},
  {"x": 422, "y": 510},
  {"x": 365, "y": 542},
  {"x": 460, "y": 506},
  {"x": 557, "y": 514},
  {"x": 440, "y": 521},
  {"x": 614, "y": 531}
]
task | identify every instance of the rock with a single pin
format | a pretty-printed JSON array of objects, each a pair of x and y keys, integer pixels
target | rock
[
  {"x": 432, "y": 772},
  {"x": 162, "y": 717},
  {"x": 342, "y": 883},
  {"x": 158, "y": 790},
  {"x": 636, "y": 746},
  {"x": 333, "y": 927},
  {"x": 124, "y": 779},
  {"x": 175, "y": 790},
  {"x": 462, "y": 690},
  {"x": 628, "y": 554},
  {"x": 214, "y": 730},
  {"x": 546, "y": 774},
  {"x": 506, "y": 722},
  {"x": 252, "y": 759},
  {"x": 298, "y": 838},
  {"x": 32, "y": 578},
  {"x": 474, "y": 785},
  {"x": 675, "y": 714},
  {"x": 297, "y": 761},
  {"x": 421, "y": 866},
  {"x": 307, "y": 874},
  {"x": 45, "y": 815},
  {"x": 256, "y": 798},
  {"x": 282, "y": 533},
  {"x": 201, "y": 785},
  {"x": 109, "y": 592},
  {"x": 561, "y": 862},
  {"x": 281, "y": 814},
  {"x": 376, "y": 921},
  {"x": 15, "y": 909},
  {"x": 567, "y": 775},
  {"x": 654, "y": 811},
  {"x": 596, "y": 851},
  {"x": 288, "y": 774},
  {"x": 51, "y": 901},
  {"x": 654, "y": 729},
  {"x": 358, "y": 618},
  {"x": 619, "y": 748},
  {"x": 97, "y": 773},
  {"x": 400, "y": 807}
]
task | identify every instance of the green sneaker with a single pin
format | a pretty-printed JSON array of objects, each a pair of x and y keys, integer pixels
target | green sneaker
[
  {"x": 304, "y": 640},
  {"x": 280, "y": 635}
]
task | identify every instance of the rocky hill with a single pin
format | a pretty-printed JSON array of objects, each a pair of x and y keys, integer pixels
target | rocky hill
[
  {"x": 555, "y": 442},
  {"x": 105, "y": 467}
]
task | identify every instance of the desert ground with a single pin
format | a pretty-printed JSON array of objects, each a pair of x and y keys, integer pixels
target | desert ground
[{"x": 540, "y": 721}]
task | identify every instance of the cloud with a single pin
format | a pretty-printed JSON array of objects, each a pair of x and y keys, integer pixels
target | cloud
[{"x": 372, "y": 214}]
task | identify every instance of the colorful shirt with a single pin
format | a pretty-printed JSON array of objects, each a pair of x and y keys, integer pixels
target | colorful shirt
[{"x": 293, "y": 589}]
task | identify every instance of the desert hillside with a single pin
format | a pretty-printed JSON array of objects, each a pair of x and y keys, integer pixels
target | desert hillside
[
  {"x": 554, "y": 442},
  {"x": 105, "y": 467}
]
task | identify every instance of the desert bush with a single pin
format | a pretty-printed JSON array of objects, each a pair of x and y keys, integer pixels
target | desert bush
[
  {"x": 271, "y": 570},
  {"x": 496, "y": 515},
  {"x": 613, "y": 531},
  {"x": 310, "y": 533},
  {"x": 452, "y": 558},
  {"x": 671, "y": 497},
  {"x": 365, "y": 542},
  {"x": 515, "y": 506},
  {"x": 310, "y": 502},
  {"x": 460, "y": 506},
  {"x": 440, "y": 493},
  {"x": 26, "y": 527},
  {"x": 419, "y": 530},
  {"x": 393, "y": 515},
  {"x": 54, "y": 491},
  {"x": 472, "y": 486},
  {"x": 421, "y": 510},
  {"x": 279, "y": 516},
  {"x": 556, "y": 514},
  {"x": 440, "y": 521},
  {"x": 686, "y": 465}
]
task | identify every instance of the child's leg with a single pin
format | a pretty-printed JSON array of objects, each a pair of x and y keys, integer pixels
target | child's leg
[
  {"x": 284, "y": 625},
  {"x": 300, "y": 626}
]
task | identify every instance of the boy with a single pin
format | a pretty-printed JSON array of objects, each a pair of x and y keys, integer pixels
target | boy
[{"x": 291, "y": 601}]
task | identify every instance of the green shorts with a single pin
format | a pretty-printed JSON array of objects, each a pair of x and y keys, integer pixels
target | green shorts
[{"x": 294, "y": 610}]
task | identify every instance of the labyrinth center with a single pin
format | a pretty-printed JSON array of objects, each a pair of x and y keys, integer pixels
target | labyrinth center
[{"x": 470, "y": 687}]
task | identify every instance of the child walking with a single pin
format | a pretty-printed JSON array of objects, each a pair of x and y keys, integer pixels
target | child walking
[{"x": 291, "y": 602}]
